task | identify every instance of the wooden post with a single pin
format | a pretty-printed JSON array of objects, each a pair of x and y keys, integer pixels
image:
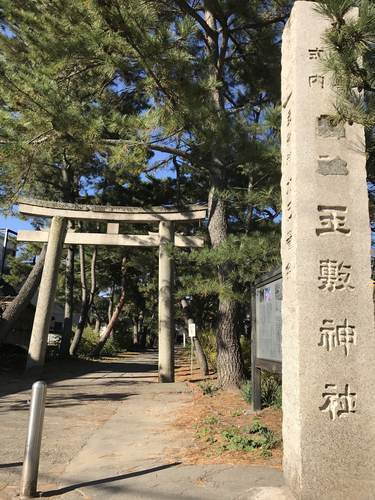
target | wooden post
[
  {"x": 46, "y": 297},
  {"x": 255, "y": 372},
  {"x": 166, "y": 320}
]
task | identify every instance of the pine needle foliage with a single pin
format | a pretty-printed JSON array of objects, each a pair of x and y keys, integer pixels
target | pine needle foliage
[
  {"x": 351, "y": 57},
  {"x": 351, "y": 63},
  {"x": 100, "y": 99}
]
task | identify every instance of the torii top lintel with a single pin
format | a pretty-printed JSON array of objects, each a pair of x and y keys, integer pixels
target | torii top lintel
[{"x": 42, "y": 208}]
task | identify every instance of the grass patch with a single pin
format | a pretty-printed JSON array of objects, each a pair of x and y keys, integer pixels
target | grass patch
[
  {"x": 208, "y": 388},
  {"x": 254, "y": 437},
  {"x": 257, "y": 436},
  {"x": 247, "y": 392},
  {"x": 271, "y": 390}
]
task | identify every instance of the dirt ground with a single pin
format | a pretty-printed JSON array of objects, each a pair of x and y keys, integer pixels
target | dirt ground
[{"x": 207, "y": 416}]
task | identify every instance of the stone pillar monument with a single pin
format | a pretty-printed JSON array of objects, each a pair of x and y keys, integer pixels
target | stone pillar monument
[
  {"x": 328, "y": 327},
  {"x": 166, "y": 322}
]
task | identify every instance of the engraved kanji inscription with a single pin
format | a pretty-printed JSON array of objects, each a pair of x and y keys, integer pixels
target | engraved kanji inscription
[
  {"x": 335, "y": 335},
  {"x": 326, "y": 128},
  {"x": 289, "y": 237},
  {"x": 332, "y": 166},
  {"x": 316, "y": 81},
  {"x": 338, "y": 404},
  {"x": 289, "y": 118},
  {"x": 288, "y": 186},
  {"x": 289, "y": 212},
  {"x": 332, "y": 219},
  {"x": 287, "y": 99},
  {"x": 334, "y": 275},
  {"x": 315, "y": 53},
  {"x": 287, "y": 270}
]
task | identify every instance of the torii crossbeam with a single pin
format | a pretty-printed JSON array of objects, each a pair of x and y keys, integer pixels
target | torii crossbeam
[{"x": 58, "y": 235}]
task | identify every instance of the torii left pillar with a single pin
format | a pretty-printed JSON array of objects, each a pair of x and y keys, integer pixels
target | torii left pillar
[
  {"x": 46, "y": 297},
  {"x": 166, "y": 319}
]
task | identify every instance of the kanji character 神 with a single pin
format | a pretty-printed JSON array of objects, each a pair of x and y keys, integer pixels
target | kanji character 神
[{"x": 337, "y": 335}]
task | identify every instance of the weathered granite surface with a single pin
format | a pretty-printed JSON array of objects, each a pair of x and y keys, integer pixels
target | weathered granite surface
[{"x": 328, "y": 329}]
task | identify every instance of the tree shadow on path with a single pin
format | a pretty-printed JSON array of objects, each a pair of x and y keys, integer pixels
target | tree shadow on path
[
  {"x": 67, "y": 489},
  {"x": 75, "y": 368},
  {"x": 13, "y": 464}
]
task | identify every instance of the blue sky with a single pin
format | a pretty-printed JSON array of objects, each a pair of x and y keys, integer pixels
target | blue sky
[{"x": 14, "y": 223}]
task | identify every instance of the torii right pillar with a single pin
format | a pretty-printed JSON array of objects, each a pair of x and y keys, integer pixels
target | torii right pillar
[{"x": 328, "y": 316}]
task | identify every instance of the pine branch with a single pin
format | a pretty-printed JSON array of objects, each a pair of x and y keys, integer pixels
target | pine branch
[
  {"x": 185, "y": 7},
  {"x": 31, "y": 99},
  {"x": 261, "y": 24},
  {"x": 126, "y": 34},
  {"x": 79, "y": 72},
  {"x": 154, "y": 147}
]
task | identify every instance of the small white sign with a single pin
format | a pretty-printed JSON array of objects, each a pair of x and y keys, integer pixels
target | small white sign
[{"x": 192, "y": 330}]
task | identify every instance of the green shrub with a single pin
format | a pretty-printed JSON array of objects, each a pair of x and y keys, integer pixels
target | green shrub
[
  {"x": 208, "y": 388},
  {"x": 211, "y": 420},
  {"x": 271, "y": 390},
  {"x": 235, "y": 440},
  {"x": 250, "y": 438},
  {"x": 208, "y": 341},
  {"x": 111, "y": 348},
  {"x": 247, "y": 392},
  {"x": 123, "y": 335},
  {"x": 88, "y": 341}
]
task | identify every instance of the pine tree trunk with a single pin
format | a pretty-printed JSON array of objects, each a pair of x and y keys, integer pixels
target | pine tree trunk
[
  {"x": 110, "y": 303},
  {"x": 18, "y": 305},
  {"x": 69, "y": 298},
  {"x": 229, "y": 358},
  {"x": 115, "y": 316},
  {"x": 86, "y": 297},
  {"x": 230, "y": 370},
  {"x": 201, "y": 357}
]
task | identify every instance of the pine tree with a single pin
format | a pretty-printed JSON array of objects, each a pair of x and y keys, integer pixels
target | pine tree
[
  {"x": 351, "y": 63},
  {"x": 133, "y": 86}
]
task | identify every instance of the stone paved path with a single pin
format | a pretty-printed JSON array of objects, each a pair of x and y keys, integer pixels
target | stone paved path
[{"x": 107, "y": 436}]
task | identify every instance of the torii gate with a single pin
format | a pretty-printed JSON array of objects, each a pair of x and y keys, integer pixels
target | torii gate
[{"x": 112, "y": 216}]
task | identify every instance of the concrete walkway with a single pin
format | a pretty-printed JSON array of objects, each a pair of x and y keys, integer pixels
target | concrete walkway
[{"x": 126, "y": 449}]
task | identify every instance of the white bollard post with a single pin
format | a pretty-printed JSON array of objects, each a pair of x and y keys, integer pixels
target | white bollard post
[{"x": 30, "y": 467}]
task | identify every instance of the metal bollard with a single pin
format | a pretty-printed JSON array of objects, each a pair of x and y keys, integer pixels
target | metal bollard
[{"x": 30, "y": 467}]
